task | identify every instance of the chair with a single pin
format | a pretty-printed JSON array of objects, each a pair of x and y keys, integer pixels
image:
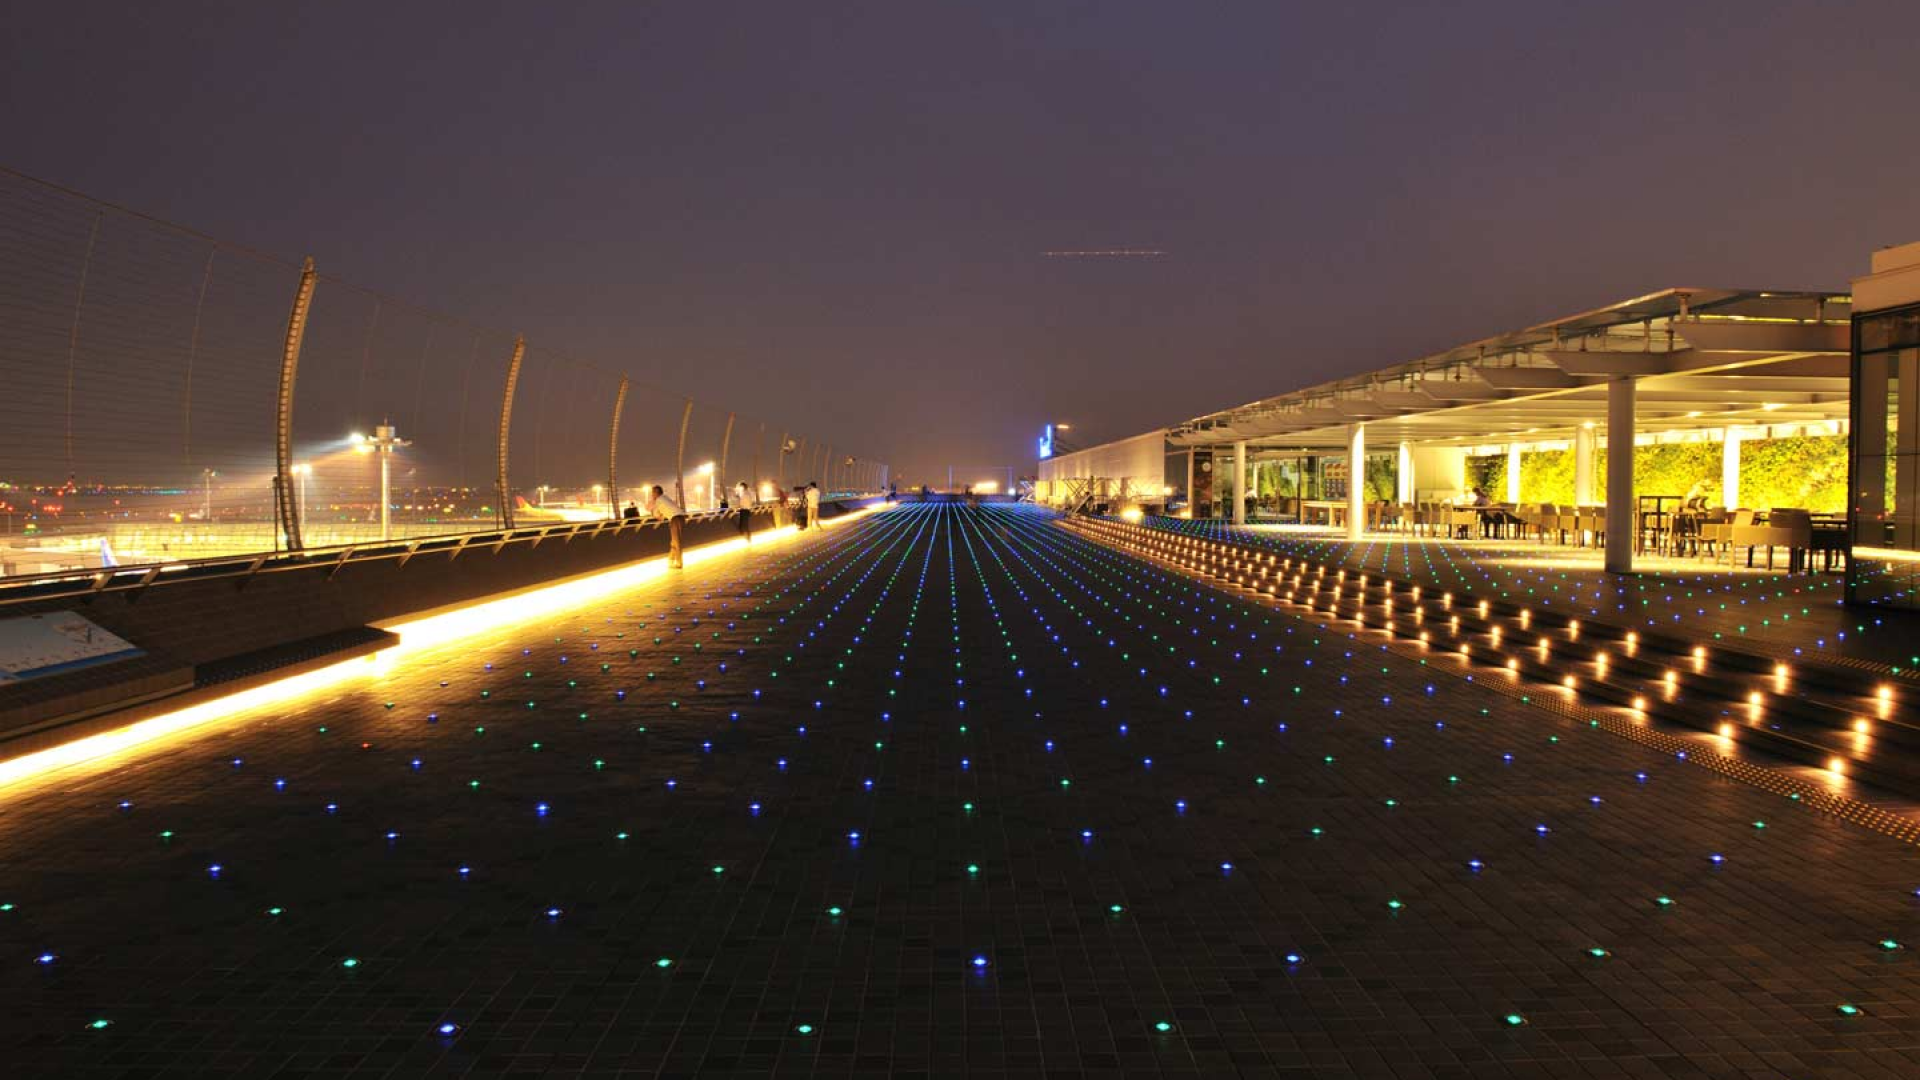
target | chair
[
  {"x": 1546, "y": 519},
  {"x": 1714, "y": 530},
  {"x": 1461, "y": 521},
  {"x": 1568, "y": 524},
  {"x": 1590, "y": 520},
  {"x": 1796, "y": 525},
  {"x": 1788, "y": 528}
]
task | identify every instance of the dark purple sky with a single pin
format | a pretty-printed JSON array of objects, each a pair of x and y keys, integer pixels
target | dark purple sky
[{"x": 838, "y": 209}]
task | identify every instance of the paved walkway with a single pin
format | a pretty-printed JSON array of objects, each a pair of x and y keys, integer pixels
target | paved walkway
[
  {"x": 1765, "y": 611},
  {"x": 938, "y": 793}
]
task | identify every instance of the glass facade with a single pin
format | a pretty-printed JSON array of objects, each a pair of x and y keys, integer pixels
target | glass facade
[{"x": 1883, "y": 514}]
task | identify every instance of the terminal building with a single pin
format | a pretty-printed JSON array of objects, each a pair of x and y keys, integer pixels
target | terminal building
[{"x": 1763, "y": 423}]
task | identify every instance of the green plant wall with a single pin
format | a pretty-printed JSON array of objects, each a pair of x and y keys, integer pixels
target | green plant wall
[
  {"x": 1808, "y": 472},
  {"x": 1804, "y": 471},
  {"x": 1383, "y": 476}
]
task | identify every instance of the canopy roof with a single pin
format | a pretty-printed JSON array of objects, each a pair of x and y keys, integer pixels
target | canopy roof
[{"x": 1704, "y": 358}]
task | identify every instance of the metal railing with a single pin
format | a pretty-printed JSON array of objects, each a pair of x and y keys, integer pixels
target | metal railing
[
  {"x": 87, "y": 583},
  {"x": 168, "y": 398}
]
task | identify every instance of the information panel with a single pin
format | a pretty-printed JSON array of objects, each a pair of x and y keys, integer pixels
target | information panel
[{"x": 36, "y": 645}]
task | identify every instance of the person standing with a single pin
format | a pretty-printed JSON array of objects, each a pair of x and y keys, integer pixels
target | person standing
[
  {"x": 813, "y": 505},
  {"x": 665, "y": 509},
  {"x": 743, "y": 509}
]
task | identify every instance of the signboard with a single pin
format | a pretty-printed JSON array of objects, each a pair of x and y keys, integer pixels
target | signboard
[{"x": 60, "y": 641}]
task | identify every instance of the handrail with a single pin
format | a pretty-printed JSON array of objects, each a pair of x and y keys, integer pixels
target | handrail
[
  {"x": 138, "y": 577},
  {"x": 94, "y": 581}
]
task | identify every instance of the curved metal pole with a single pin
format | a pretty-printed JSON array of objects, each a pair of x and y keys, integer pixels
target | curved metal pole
[
  {"x": 613, "y": 452},
  {"x": 285, "y": 503},
  {"x": 719, "y": 478},
  {"x": 680, "y": 459},
  {"x": 505, "y": 494}
]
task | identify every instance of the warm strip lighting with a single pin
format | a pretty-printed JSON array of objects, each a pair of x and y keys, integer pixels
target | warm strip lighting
[
  {"x": 94, "y": 748},
  {"x": 415, "y": 635}
]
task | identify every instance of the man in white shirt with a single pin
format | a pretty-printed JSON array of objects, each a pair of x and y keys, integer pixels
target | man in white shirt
[
  {"x": 813, "y": 505},
  {"x": 659, "y": 506},
  {"x": 743, "y": 509}
]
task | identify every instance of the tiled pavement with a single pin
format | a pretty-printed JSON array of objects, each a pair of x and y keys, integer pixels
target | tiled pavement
[{"x": 1108, "y": 823}]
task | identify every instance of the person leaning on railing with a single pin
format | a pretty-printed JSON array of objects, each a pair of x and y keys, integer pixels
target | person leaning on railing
[
  {"x": 665, "y": 509},
  {"x": 743, "y": 501}
]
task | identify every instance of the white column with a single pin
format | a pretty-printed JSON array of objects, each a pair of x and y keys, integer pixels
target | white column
[
  {"x": 1583, "y": 445},
  {"x": 1403, "y": 488},
  {"x": 1513, "y": 472},
  {"x": 1240, "y": 483},
  {"x": 1620, "y": 394},
  {"x": 1190, "y": 508},
  {"x": 1730, "y": 468},
  {"x": 1357, "y": 482}
]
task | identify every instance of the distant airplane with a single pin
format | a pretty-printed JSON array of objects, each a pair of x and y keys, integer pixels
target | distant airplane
[{"x": 526, "y": 511}]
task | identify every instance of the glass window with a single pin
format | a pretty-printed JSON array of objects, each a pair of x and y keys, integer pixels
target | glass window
[{"x": 1884, "y": 508}]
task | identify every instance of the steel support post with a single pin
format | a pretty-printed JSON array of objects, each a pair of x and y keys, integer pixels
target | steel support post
[
  {"x": 613, "y": 452},
  {"x": 720, "y": 476},
  {"x": 504, "y": 494},
  {"x": 680, "y": 458},
  {"x": 283, "y": 496}
]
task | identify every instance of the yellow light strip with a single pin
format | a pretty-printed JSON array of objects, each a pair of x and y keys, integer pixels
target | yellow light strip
[
  {"x": 1885, "y": 554},
  {"x": 415, "y": 636}
]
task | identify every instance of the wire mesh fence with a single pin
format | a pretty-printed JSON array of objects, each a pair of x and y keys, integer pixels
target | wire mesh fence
[{"x": 142, "y": 366}]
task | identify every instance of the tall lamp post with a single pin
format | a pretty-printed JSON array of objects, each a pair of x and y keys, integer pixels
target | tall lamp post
[
  {"x": 384, "y": 442},
  {"x": 302, "y": 470},
  {"x": 713, "y": 484}
]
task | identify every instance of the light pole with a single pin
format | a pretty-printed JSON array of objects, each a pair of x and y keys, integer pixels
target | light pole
[
  {"x": 384, "y": 442},
  {"x": 713, "y": 490},
  {"x": 302, "y": 470}
]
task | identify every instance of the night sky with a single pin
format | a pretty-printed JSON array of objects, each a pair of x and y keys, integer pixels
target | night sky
[{"x": 839, "y": 210}]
